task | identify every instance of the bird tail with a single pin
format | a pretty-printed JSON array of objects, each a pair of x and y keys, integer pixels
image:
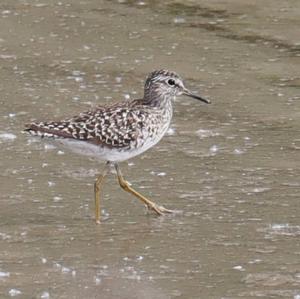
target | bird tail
[{"x": 46, "y": 130}]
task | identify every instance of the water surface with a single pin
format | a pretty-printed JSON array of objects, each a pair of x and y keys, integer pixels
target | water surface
[{"x": 232, "y": 167}]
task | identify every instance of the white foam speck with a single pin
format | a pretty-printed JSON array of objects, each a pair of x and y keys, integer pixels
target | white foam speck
[
  {"x": 171, "y": 132},
  {"x": 57, "y": 198},
  {"x": 238, "y": 151},
  {"x": 255, "y": 261},
  {"x": 78, "y": 79},
  {"x": 213, "y": 149},
  {"x": 4, "y": 236},
  {"x": 240, "y": 268},
  {"x": 65, "y": 270},
  {"x": 158, "y": 173},
  {"x": 4, "y": 274},
  {"x": 118, "y": 79},
  {"x": 14, "y": 292},
  {"x": 45, "y": 295},
  {"x": 41, "y": 5},
  {"x": 51, "y": 184},
  {"x": 161, "y": 174},
  {"x": 280, "y": 226},
  {"x": 97, "y": 280},
  {"x": 48, "y": 147},
  {"x": 206, "y": 133},
  {"x": 179, "y": 20},
  {"x": 8, "y": 56},
  {"x": 75, "y": 98},
  {"x": 7, "y": 136},
  {"x": 76, "y": 73},
  {"x": 261, "y": 189}
]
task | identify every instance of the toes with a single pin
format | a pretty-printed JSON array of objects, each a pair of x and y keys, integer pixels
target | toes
[
  {"x": 160, "y": 210},
  {"x": 164, "y": 210}
]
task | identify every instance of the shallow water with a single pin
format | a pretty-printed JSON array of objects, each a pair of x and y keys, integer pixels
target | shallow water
[{"x": 231, "y": 167}]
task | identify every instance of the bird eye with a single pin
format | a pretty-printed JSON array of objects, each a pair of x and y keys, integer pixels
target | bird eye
[{"x": 171, "y": 82}]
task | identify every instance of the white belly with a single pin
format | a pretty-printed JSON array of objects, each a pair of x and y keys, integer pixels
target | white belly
[{"x": 111, "y": 154}]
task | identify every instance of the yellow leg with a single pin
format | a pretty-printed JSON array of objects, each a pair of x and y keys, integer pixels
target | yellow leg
[
  {"x": 97, "y": 190},
  {"x": 160, "y": 210}
]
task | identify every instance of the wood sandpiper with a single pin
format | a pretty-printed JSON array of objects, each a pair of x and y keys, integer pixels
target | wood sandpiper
[{"x": 121, "y": 131}]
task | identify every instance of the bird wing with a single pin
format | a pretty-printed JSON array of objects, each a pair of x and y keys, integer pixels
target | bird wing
[{"x": 111, "y": 126}]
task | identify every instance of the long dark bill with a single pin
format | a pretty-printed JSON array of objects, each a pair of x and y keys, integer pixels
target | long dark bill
[{"x": 190, "y": 94}]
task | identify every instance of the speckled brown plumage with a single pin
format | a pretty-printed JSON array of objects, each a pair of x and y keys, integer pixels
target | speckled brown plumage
[
  {"x": 108, "y": 126},
  {"x": 121, "y": 131}
]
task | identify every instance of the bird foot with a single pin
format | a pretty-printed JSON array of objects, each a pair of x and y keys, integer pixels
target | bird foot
[{"x": 160, "y": 210}]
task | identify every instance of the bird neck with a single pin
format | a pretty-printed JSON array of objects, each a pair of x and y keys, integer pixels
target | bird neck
[{"x": 157, "y": 100}]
